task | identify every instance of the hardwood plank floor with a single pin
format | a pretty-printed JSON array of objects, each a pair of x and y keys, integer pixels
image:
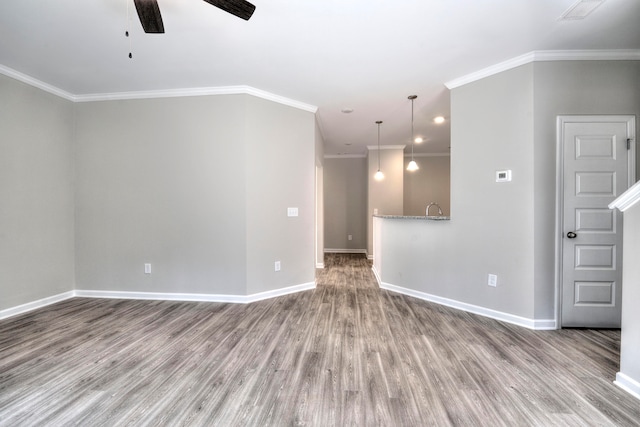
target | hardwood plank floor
[{"x": 344, "y": 354}]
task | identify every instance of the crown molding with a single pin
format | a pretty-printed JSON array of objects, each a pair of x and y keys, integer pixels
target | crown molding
[
  {"x": 345, "y": 156},
  {"x": 17, "y": 75},
  {"x": 199, "y": 91},
  {"x": 546, "y": 55},
  {"x": 170, "y": 93},
  {"x": 408, "y": 155},
  {"x": 386, "y": 147}
]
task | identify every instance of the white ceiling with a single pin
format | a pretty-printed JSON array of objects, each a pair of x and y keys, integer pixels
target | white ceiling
[{"x": 368, "y": 55}]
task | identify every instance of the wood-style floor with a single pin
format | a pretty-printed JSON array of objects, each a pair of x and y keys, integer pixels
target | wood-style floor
[{"x": 344, "y": 354}]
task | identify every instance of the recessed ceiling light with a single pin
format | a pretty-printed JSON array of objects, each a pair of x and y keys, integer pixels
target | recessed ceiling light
[
  {"x": 418, "y": 140},
  {"x": 438, "y": 120},
  {"x": 347, "y": 110},
  {"x": 580, "y": 9},
  {"x": 347, "y": 143}
]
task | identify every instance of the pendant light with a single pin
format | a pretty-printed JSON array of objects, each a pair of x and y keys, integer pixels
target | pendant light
[
  {"x": 379, "y": 176},
  {"x": 413, "y": 166}
]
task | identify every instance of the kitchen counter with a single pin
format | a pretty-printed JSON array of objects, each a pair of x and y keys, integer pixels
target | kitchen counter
[{"x": 429, "y": 218}]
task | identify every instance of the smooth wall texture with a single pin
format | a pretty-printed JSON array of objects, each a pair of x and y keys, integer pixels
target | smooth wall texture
[
  {"x": 319, "y": 197},
  {"x": 162, "y": 181},
  {"x": 199, "y": 188},
  {"x": 386, "y": 196},
  {"x": 280, "y": 173},
  {"x": 345, "y": 202},
  {"x": 508, "y": 121},
  {"x": 562, "y": 88},
  {"x": 36, "y": 194},
  {"x": 490, "y": 230},
  {"x": 430, "y": 183}
]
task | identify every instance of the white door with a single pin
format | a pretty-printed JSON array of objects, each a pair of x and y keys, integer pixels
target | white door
[{"x": 598, "y": 161}]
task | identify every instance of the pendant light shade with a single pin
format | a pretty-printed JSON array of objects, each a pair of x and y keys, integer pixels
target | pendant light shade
[
  {"x": 413, "y": 166},
  {"x": 379, "y": 176}
]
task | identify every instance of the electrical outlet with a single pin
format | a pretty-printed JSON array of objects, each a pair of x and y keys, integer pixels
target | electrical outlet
[
  {"x": 276, "y": 266},
  {"x": 147, "y": 269},
  {"x": 349, "y": 237},
  {"x": 493, "y": 280}
]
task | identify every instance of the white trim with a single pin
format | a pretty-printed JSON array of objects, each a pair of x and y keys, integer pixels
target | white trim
[
  {"x": 627, "y": 199},
  {"x": 150, "y": 94},
  {"x": 345, "y": 156},
  {"x": 551, "y": 55},
  {"x": 408, "y": 155},
  {"x": 386, "y": 147},
  {"x": 320, "y": 265},
  {"x": 199, "y": 91},
  {"x": 168, "y": 296},
  {"x": 344, "y": 251},
  {"x": 35, "y": 83},
  {"x": 164, "y": 296},
  {"x": 33, "y": 305},
  {"x": 377, "y": 275},
  {"x": 561, "y": 120},
  {"x": 541, "y": 324},
  {"x": 628, "y": 384}
]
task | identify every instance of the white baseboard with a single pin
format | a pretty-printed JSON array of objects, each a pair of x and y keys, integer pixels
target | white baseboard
[
  {"x": 171, "y": 296},
  {"x": 543, "y": 324},
  {"x": 320, "y": 265},
  {"x": 344, "y": 251},
  {"x": 377, "y": 275},
  {"x": 628, "y": 384},
  {"x": 166, "y": 296},
  {"x": 239, "y": 299},
  {"x": 33, "y": 305}
]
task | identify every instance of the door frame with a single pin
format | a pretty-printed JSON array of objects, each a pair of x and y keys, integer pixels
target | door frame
[{"x": 559, "y": 240}]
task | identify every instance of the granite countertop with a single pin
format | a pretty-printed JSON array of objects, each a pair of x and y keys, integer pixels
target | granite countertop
[{"x": 429, "y": 218}]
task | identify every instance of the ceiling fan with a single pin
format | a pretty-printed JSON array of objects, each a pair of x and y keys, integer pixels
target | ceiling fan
[{"x": 151, "y": 20}]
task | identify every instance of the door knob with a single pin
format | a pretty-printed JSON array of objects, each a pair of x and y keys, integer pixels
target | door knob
[{"x": 571, "y": 235}]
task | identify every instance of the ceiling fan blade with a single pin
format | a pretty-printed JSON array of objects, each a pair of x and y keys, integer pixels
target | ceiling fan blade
[
  {"x": 149, "y": 14},
  {"x": 240, "y": 8}
]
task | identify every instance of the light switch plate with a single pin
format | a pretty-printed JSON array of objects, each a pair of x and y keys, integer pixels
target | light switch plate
[
  {"x": 292, "y": 211},
  {"x": 492, "y": 280}
]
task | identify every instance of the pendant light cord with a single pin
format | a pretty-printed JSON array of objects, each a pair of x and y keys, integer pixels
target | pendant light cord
[
  {"x": 378, "y": 122},
  {"x": 128, "y": 26},
  {"x": 412, "y": 138}
]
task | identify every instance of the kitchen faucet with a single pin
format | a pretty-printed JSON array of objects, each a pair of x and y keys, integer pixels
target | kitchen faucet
[{"x": 436, "y": 205}]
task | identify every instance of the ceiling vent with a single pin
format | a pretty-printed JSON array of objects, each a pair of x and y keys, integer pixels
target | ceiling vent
[{"x": 580, "y": 10}]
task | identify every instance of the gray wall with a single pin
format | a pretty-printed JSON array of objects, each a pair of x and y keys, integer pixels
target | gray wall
[
  {"x": 345, "y": 203},
  {"x": 162, "y": 181},
  {"x": 36, "y": 194},
  {"x": 569, "y": 87},
  {"x": 492, "y": 129},
  {"x": 198, "y": 187},
  {"x": 430, "y": 183},
  {"x": 347, "y": 180},
  {"x": 507, "y": 121},
  {"x": 387, "y": 196},
  {"x": 319, "y": 195},
  {"x": 279, "y": 173}
]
